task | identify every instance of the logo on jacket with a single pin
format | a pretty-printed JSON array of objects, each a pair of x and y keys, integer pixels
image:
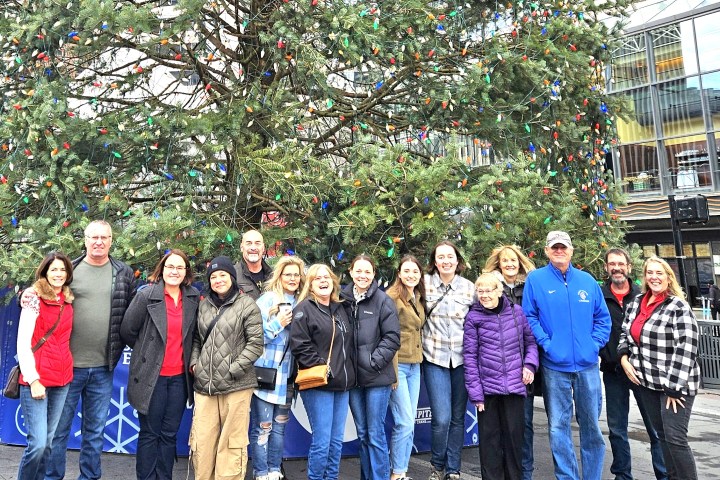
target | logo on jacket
[{"x": 583, "y": 296}]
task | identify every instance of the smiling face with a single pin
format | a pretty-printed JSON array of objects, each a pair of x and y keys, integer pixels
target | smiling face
[
  {"x": 56, "y": 274},
  {"x": 410, "y": 275},
  {"x": 174, "y": 271},
  {"x": 618, "y": 269},
  {"x": 98, "y": 240},
  {"x": 362, "y": 273},
  {"x": 509, "y": 265},
  {"x": 488, "y": 295},
  {"x": 656, "y": 278},
  {"x": 559, "y": 255},
  {"x": 322, "y": 285},
  {"x": 220, "y": 282},
  {"x": 252, "y": 247},
  {"x": 290, "y": 279},
  {"x": 446, "y": 261}
]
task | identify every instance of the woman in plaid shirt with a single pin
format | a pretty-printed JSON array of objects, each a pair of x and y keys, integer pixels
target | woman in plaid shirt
[{"x": 658, "y": 351}]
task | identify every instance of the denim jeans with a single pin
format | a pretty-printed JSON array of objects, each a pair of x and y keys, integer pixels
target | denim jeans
[
  {"x": 157, "y": 439},
  {"x": 327, "y": 411},
  {"x": 528, "y": 456},
  {"x": 617, "y": 408},
  {"x": 448, "y": 404},
  {"x": 41, "y": 418},
  {"x": 672, "y": 428},
  {"x": 369, "y": 407},
  {"x": 561, "y": 390},
  {"x": 267, "y": 435},
  {"x": 403, "y": 404},
  {"x": 94, "y": 386}
]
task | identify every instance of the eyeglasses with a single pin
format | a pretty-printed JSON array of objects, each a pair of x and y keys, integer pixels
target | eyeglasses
[
  {"x": 99, "y": 238},
  {"x": 291, "y": 275},
  {"x": 482, "y": 292},
  {"x": 175, "y": 267}
]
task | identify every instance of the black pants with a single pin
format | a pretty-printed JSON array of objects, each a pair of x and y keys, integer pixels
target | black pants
[
  {"x": 714, "y": 311},
  {"x": 672, "y": 428},
  {"x": 501, "y": 428}
]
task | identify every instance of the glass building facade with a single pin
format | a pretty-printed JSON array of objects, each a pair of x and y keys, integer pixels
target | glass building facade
[{"x": 670, "y": 71}]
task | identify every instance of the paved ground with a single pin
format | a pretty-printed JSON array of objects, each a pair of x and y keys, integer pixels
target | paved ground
[{"x": 704, "y": 440}]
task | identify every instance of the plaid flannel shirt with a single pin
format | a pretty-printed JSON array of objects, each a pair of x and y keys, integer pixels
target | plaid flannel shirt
[
  {"x": 666, "y": 356},
  {"x": 442, "y": 337},
  {"x": 276, "y": 339}
]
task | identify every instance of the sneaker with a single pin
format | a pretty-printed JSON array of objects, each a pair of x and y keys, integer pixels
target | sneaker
[
  {"x": 275, "y": 476},
  {"x": 435, "y": 474},
  {"x": 452, "y": 476}
]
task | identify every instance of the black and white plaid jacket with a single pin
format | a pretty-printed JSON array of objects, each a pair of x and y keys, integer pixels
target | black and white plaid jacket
[{"x": 666, "y": 356}]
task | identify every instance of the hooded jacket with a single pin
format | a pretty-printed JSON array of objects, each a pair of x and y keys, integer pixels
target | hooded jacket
[
  {"x": 310, "y": 338},
  {"x": 496, "y": 348},
  {"x": 224, "y": 360},
  {"x": 123, "y": 291},
  {"x": 609, "y": 360},
  {"x": 144, "y": 329},
  {"x": 567, "y": 315},
  {"x": 377, "y": 335}
]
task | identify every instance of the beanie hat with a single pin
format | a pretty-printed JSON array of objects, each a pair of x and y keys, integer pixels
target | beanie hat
[{"x": 224, "y": 264}]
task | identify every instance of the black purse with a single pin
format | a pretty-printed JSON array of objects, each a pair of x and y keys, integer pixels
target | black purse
[{"x": 266, "y": 377}]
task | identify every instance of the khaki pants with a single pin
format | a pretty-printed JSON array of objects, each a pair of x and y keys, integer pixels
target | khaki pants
[{"x": 219, "y": 435}]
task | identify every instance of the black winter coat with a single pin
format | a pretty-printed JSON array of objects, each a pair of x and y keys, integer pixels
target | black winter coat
[
  {"x": 123, "y": 291},
  {"x": 377, "y": 335},
  {"x": 245, "y": 281},
  {"x": 310, "y": 338},
  {"x": 144, "y": 328},
  {"x": 609, "y": 360}
]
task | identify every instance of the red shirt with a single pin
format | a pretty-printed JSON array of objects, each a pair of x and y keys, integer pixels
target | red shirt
[
  {"x": 173, "y": 361},
  {"x": 619, "y": 296},
  {"x": 646, "y": 309}
]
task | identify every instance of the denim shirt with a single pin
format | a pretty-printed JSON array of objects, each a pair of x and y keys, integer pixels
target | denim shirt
[{"x": 442, "y": 337}]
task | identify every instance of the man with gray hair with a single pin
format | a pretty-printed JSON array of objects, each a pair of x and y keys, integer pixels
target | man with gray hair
[
  {"x": 571, "y": 323},
  {"x": 103, "y": 288},
  {"x": 252, "y": 270}
]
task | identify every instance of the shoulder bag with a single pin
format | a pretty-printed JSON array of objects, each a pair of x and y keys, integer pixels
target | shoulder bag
[
  {"x": 12, "y": 386},
  {"x": 318, "y": 375}
]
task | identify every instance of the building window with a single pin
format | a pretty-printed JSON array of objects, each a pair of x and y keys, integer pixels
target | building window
[
  {"x": 708, "y": 35},
  {"x": 711, "y": 92},
  {"x": 674, "y": 48},
  {"x": 629, "y": 65},
  {"x": 640, "y": 126},
  {"x": 681, "y": 107},
  {"x": 639, "y": 167}
]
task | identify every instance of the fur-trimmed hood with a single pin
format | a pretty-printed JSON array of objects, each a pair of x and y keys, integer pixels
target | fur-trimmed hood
[
  {"x": 47, "y": 293},
  {"x": 519, "y": 280}
]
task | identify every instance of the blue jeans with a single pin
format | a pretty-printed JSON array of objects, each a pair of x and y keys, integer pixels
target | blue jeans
[
  {"x": 41, "y": 418},
  {"x": 157, "y": 439},
  {"x": 369, "y": 407},
  {"x": 267, "y": 435},
  {"x": 94, "y": 385},
  {"x": 528, "y": 456},
  {"x": 448, "y": 403},
  {"x": 327, "y": 412},
  {"x": 617, "y": 408},
  {"x": 403, "y": 404},
  {"x": 582, "y": 388},
  {"x": 672, "y": 428}
]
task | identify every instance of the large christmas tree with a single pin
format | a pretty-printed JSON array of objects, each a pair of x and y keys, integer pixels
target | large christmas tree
[{"x": 340, "y": 127}]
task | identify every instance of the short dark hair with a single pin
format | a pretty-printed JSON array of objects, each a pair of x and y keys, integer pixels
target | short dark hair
[
  {"x": 42, "y": 269},
  {"x": 432, "y": 268},
  {"x": 618, "y": 251},
  {"x": 157, "y": 273}
]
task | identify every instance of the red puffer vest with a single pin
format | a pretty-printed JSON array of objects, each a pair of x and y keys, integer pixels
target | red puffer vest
[{"x": 53, "y": 361}]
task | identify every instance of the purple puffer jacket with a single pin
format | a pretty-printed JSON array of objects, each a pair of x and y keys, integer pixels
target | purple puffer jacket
[{"x": 492, "y": 351}]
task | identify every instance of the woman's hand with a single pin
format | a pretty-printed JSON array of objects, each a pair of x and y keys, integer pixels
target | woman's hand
[
  {"x": 285, "y": 317},
  {"x": 629, "y": 370},
  {"x": 480, "y": 407},
  {"x": 674, "y": 402},
  {"x": 528, "y": 376},
  {"x": 37, "y": 390}
]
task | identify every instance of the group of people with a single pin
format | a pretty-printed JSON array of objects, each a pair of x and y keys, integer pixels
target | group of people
[{"x": 488, "y": 342}]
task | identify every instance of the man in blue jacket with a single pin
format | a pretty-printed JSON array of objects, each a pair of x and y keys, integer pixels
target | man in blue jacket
[{"x": 571, "y": 323}]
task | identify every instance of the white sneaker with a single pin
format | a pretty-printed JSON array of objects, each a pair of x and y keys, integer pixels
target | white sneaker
[
  {"x": 263, "y": 477},
  {"x": 274, "y": 476}
]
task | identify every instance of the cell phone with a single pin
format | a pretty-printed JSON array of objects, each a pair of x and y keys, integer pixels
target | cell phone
[{"x": 284, "y": 307}]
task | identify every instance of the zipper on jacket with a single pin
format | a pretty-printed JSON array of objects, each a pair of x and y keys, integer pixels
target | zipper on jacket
[
  {"x": 572, "y": 330},
  {"x": 504, "y": 358}
]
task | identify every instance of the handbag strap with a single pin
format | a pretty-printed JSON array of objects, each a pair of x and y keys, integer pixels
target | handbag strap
[
  {"x": 45, "y": 337},
  {"x": 437, "y": 302},
  {"x": 332, "y": 339},
  {"x": 211, "y": 326}
]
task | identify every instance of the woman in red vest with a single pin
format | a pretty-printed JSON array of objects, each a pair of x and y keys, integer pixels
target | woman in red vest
[{"x": 43, "y": 348}]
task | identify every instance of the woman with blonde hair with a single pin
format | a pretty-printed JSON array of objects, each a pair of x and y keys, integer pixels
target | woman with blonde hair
[
  {"x": 270, "y": 408},
  {"x": 658, "y": 351},
  {"x": 321, "y": 334},
  {"x": 510, "y": 265}
]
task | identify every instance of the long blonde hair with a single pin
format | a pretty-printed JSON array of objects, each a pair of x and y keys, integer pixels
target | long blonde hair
[
  {"x": 525, "y": 265},
  {"x": 274, "y": 285},
  {"x": 673, "y": 285},
  {"x": 312, "y": 273}
]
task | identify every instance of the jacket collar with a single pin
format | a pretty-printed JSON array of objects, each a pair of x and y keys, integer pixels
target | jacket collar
[
  {"x": 629, "y": 296},
  {"x": 47, "y": 293},
  {"x": 347, "y": 292}
]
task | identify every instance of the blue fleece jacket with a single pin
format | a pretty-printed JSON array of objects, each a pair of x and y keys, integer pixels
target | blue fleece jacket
[{"x": 568, "y": 316}]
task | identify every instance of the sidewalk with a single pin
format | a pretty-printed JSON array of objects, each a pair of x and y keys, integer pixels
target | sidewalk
[{"x": 704, "y": 440}]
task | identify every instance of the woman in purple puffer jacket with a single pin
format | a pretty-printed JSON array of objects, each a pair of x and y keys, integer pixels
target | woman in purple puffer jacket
[{"x": 500, "y": 357}]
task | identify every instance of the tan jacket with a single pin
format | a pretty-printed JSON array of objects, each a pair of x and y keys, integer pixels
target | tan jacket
[{"x": 411, "y": 325}]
